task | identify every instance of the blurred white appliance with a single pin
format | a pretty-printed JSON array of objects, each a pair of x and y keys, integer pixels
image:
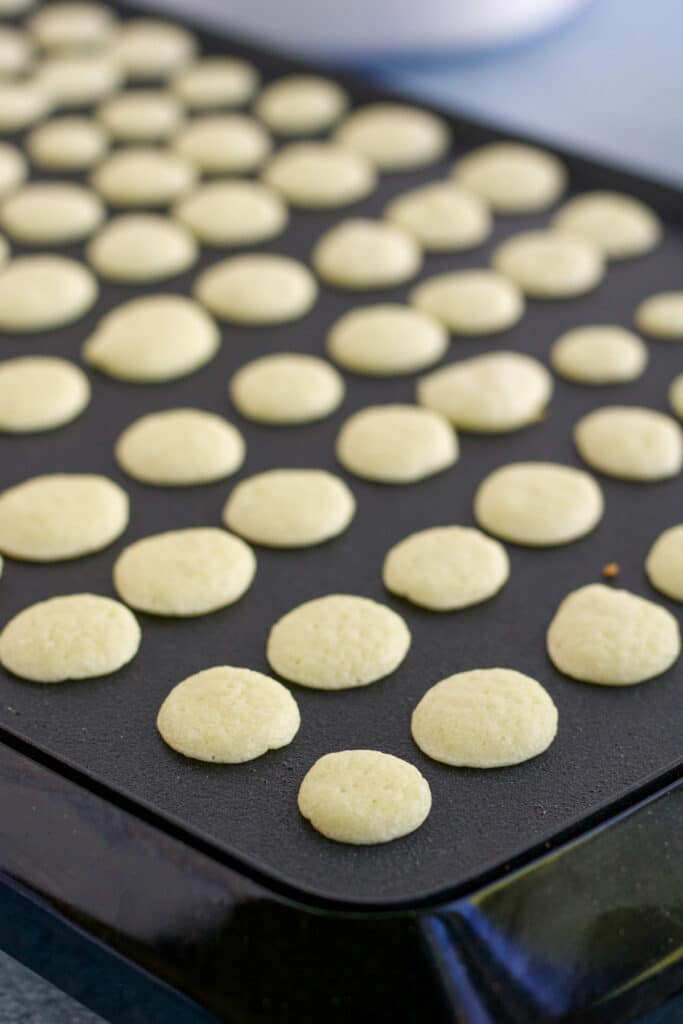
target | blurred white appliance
[{"x": 340, "y": 28}]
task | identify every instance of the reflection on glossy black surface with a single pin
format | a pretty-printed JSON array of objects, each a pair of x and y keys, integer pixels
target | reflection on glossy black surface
[{"x": 593, "y": 932}]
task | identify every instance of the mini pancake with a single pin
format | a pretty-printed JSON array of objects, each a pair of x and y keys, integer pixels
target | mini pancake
[
  {"x": 153, "y": 339},
  {"x": 441, "y": 216},
  {"x": 489, "y": 394},
  {"x": 364, "y": 797},
  {"x": 320, "y": 175},
  {"x": 257, "y": 288},
  {"x": 485, "y": 718},
  {"x": 142, "y": 247},
  {"x": 290, "y": 508},
  {"x": 512, "y": 177},
  {"x": 446, "y": 568},
  {"x": 301, "y": 104},
  {"x": 66, "y": 144},
  {"x": 60, "y": 516},
  {"x": 620, "y": 225},
  {"x": 538, "y": 504},
  {"x": 286, "y": 388},
  {"x": 386, "y": 340},
  {"x": 184, "y": 573},
  {"x": 664, "y": 563},
  {"x": 362, "y": 254},
  {"x": 215, "y": 82},
  {"x": 599, "y": 354},
  {"x": 51, "y": 213},
  {"x": 474, "y": 302},
  {"x": 228, "y": 715},
  {"x": 229, "y": 213},
  {"x": 612, "y": 637},
  {"x": 143, "y": 176},
  {"x": 630, "y": 442},
  {"x": 180, "y": 448},
  {"x": 395, "y": 136},
  {"x": 40, "y": 393},
  {"x": 396, "y": 444},
  {"x": 549, "y": 265},
  {"x": 358, "y": 641},
  {"x": 75, "y": 636},
  {"x": 44, "y": 291},
  {"x": 223, "y": 143}
]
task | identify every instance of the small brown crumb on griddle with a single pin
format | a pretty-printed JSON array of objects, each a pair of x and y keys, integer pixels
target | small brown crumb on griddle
[{"x": 610, "y": 570}]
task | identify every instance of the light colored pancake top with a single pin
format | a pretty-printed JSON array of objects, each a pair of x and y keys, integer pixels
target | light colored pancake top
[
  {"x": 143, "y": 176},
  {"x": 362, "y": 254},
  {"x": 215, "y": 82},
  {"x": 395, "y": 136},
  {"x": 538, "y": 504},
  {"x": 661, "y": 316},
  {"x": 180, "y": 447},
  {"x": 470, "y": 301},
  {"x": 358, "y": 641},
  {"x": 485, "y": 718},
  {"x": 396, "y": 444},
  {"x": 549, "y": 265},
  {"x": 299, "y": 104},
  {"x": 184, "y": 573},
  {"x": 61, "y": 516},
  {"x": 599, "y": 354},
  {"x": 67, "y": 144},
  {"x": 290, "y": 508},
  {"x": 223, "y": 143},
  {"x": 40, "y": 393},
  {"x": 676, "y": 396},
  {"x": 72, "y": 25},
  {"x": 51, "y": 212},
  {"x": 441, "y": 216},
  {"x": 77, "y": 636},
  {"x": 228, "y": 715},
  {"x": 16, "y": 51},
  {"x": 286, "y": 388},
  {"x": 512, "y": 177},
  {"x": 385, "y": 340},
  {"x": 620, "y": 225},
  {"x": 77, "y": 80},
  {"x": 257, "y": 288},
  {"x": 141, "y": 115},
  {"x": 446, "y": 568},
  {"x": 492, "y": 393},
  {"x": 226, "y": 213},
  {"x": 664, "y": 563},
  {"x": 364, "y": 797},
  {"x": 44, "y": 291},
  {"x": 142, "y": 247},
  {"x": 22, "y": 103},
  {"x": 13, "y": 169},
  {"x": 630, "y": 442},
  {"x": 612, "y": 637},
  {"x": 149, "y": 48},
  {"x": 320, "y": 175},
  {"x": 153, "y": 339}
]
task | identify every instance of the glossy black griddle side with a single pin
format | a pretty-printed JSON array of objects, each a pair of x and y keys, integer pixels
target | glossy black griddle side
[{"x": 612, "y": 743}]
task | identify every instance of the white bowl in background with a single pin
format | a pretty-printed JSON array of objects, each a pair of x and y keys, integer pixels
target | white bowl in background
[{"x": 376, "y": 27}]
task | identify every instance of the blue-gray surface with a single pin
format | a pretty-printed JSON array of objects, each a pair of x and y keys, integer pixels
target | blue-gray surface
[
  {"x": 610, "y": 84},
  {"x": 27, "y": 999}
]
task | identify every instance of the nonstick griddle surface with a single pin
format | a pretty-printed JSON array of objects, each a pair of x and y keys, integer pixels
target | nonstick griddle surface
[{"x": 611, "y": 742}]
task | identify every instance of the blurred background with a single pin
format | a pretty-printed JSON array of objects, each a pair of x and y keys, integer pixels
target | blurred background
[{"x": 602, "y": 76}]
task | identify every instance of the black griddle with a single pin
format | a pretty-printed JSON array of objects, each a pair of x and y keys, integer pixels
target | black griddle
[{"x": 613, "y": 745}]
